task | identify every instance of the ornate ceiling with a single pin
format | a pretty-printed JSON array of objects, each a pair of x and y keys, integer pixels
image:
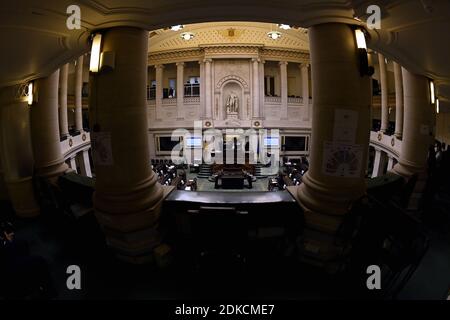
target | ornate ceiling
[
  {"x": 228, "y": 33},
  {"x": 35, "y": 40}
]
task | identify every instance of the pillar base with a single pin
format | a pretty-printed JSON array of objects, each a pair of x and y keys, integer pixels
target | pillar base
[
  {"x": 319, "y": 245},
  {"x": 133, "y": 236},
  {"x": 21, "y": 195}
]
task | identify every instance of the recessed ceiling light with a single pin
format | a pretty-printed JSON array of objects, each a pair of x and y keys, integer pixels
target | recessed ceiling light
[
  {"x": 284, "y": 26},
  {"x": 274, "y": 35},
  {"x": 187, "y": 36},
  {"x": 178, "y": 27}
]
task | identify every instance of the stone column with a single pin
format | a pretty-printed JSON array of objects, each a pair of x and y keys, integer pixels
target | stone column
[
  {"x": 48, "y": 159},
  {"x": 284, "y": 90},
  {"x": 384, "y": 94},
  {"x": 63, "y": 124},
  {"x": 85, "y": 165},
  {"x": 159, "y": 89},
  {"x": 208, "y": 89},
  {"x": 127, "y": 196},
  {"x": 340, "y": 123},
  {"x": 305, "y": 89},
  {"x": 390, "y": 164},
  {"x": 378, "y": 163},
  {"x": 261, "y": 88},
  {"x": 73, "y": 164},
  {"x": 78, "y": 94},
  {"x": 417, "y": 130},
  {"x": 256, "y": 85},
  {"x": 16, "y": 152},
  {"x": 202, "y": 89},
  {"x": 398, "y": 100},
  {"x": 180, "y": 90}
]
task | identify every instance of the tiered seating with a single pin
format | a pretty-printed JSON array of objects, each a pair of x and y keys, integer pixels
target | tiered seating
[{"x": 169, "y": 174}]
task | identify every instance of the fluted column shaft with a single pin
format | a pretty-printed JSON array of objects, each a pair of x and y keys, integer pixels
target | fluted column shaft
[
  {"x": 78, "y": 94},
  {"x": 417, "y": 125},
  {"x": 180, "y": 90},
  {"x": 284, "y": 90},
  {"x": 384, "y": 94},
  {"x": 208, "y": 89},
  {"x": 63, "y": 124},
  {"x": 398, "y": 100},
  {"x": 48, "y": 159},
  {"x": 256, "y": 86},
  {"x": 305, "y": 89}
]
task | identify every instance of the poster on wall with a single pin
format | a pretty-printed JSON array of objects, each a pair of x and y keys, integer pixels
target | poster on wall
[
  {"x": 101, "y": 148},
  {"x": 342, "y": 159}
]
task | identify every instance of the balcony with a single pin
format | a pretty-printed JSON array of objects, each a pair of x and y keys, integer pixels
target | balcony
[{"x": 191, "y": 100}]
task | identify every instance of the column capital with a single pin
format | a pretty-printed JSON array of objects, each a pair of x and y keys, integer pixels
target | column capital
[
  {"x": 256, "y": 60},
  {"x": 159, "y": 66},
  {"x": 304, "y": 65},
  {"x": 207, "y": 60},
  {"x": 180, "y": 64},
  {"x": 283, "y": 63}
]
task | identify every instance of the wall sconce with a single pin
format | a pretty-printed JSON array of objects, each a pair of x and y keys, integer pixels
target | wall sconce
[
  {"x": 30, "y": 93},
  {"x": 432, "y": 92},
  {"x": 364, "y": 68},
  {"x": 437, "y": 106},
  {"x": 94, "y": 64}
]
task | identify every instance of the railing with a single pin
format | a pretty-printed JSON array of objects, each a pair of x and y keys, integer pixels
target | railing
[
  {"x": 169, "y": 101},
  {"x": 191, "y": 100},
  {"x": 72, "y": 145},
  {"x": 292, "y": 100},
  {"x": 389, "y": 144},
  {"x": 272, "y": 99}
]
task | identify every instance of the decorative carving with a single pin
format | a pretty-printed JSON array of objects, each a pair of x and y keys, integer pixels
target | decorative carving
[
  {"x": 70, "y": 142},
  {"x": 393, "y": 141},
  {"x": 232, "y": 77},
  {"x": 380, "y": 136},
  {"x": 83, "y": 137}
]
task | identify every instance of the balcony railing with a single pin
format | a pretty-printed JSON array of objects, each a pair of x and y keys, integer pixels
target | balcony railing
[
  {"x": 191, "y": 100},
  {"x": 169, "y": 101},
  {"x": 151, "y": 93},
  {"x": 297, "y": 100},
  {"x": 272, "y": 99}
]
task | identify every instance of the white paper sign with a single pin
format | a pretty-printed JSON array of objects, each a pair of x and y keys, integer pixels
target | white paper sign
[
  {"x": 101, "y": 148},
  {"x": 345, "y": 125},
  {"x": 342, "y": 160}
]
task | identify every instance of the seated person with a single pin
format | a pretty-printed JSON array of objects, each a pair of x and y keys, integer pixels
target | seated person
[{"x": 21, "y": 274}]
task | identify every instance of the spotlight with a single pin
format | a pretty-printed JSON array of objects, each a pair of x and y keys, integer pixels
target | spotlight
[
  {"x": 284, "y": 26},
  {"x": 187, "y": 36},
  {"x": 437, "y": 105},
  {"x": 178, "y": 27},
  {"x": 274, "y": 35}
]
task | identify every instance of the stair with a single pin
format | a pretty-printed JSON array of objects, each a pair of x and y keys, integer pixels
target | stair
[
  {"x": 205, "y": 171},
  {"x": 258, "y": 171}
]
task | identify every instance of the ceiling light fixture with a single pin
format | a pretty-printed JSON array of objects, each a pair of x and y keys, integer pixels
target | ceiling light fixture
[
  {"x": 437, "y": 105},
  {"x": 30, "y": 93},
  {"x": 284, "y": 26},
  {"x": 432, "y": 92},
  {"x": 187, "y": 36},
  {"x": 360, "y": 39},
  {"x": 94, "y": 64},
  {"x": 178, "y": 27},
  {"x": 274, "y": 35}
]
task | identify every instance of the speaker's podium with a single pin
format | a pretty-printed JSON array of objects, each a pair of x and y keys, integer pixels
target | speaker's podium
[{"x": 232, "y": 181}]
